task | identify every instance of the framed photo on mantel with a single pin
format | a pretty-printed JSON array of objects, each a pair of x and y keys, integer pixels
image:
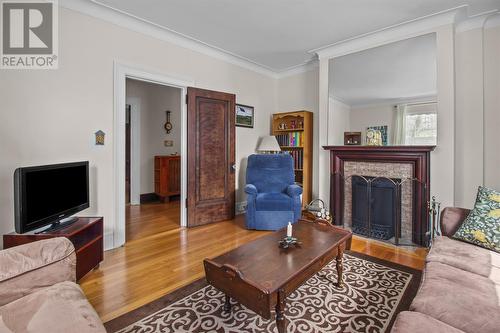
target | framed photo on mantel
[{"x": 244, "y": 115}]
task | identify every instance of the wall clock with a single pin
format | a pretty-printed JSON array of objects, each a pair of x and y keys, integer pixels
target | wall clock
[{"x": 168, "y": 124}]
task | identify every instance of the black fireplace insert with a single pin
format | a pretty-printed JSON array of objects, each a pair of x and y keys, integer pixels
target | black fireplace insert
[{"x": 374, "y": 207}]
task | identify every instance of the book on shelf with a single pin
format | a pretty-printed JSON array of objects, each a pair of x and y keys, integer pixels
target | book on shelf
[
  {"x": 292, "y": 139},
  {"x": 298, "y": 158}
]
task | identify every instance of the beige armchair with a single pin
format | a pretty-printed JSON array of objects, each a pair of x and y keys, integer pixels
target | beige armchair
[{"x": 38, "y": 292}]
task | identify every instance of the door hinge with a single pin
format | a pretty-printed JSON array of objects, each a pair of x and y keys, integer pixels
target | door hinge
[
  {"x": 186, "y": 202},
  {"x": 187, "y": 98}
]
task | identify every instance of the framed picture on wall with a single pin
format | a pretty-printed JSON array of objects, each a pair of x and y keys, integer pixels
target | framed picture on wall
[{"x": 244, "y": 115}]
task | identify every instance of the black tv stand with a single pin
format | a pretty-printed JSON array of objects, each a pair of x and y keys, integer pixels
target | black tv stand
[{"x": 58, "y": 225}]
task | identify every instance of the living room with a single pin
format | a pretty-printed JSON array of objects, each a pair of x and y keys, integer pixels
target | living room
[{"x": 320, "y": 75}]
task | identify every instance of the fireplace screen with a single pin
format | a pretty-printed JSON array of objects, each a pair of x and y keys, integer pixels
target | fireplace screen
[
  {"x": 374, "y": 206},
  {"x": 382, "y": 208}
]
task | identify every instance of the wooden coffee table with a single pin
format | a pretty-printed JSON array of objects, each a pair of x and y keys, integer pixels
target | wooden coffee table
[{"x": 260, "y": 275}]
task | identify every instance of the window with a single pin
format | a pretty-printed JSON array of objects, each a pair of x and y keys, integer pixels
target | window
[
  {"x": 420, "y": 124},
  {"x": 421, "y": 129}
]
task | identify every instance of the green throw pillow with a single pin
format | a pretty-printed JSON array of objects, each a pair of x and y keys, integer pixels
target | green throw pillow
[{"x": 482, "y": 226}]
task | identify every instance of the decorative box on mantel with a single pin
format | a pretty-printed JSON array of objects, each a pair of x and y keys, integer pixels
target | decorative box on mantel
[{"x": 408, "y": 165}]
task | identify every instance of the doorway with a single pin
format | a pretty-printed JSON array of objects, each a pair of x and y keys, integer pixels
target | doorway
[
  {"x": 115, "y": 235},
  {"x": 152, "y": 144},
  {"x": 206, "y": 205}
]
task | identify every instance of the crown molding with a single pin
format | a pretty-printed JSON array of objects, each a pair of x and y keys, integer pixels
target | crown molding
[
  {"x": 298, "y": 69},
  {"x": 339, "y": 100},
  {"x": 393, "y": 33},
  {"x": 424, "y": 98},
  {"x": 125, "y": 20},
  {"x": 492, "y": 21},
  {"x": 404, "y": 30},
  {"x": 475, "y": 22}
]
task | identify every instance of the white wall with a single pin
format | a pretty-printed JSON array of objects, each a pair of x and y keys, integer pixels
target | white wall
[
  {"x": 469, "y": 116},
  {"x": 339, "y": 121},
  {"x": 154, "y": 100},
  {"x": 477, "y": 112},
  {"x": 363, "y": 117},
  {"x": 300, "y": 92},
  {"x": 492, "y": 107},
  {"x": 49, "y": 116}
]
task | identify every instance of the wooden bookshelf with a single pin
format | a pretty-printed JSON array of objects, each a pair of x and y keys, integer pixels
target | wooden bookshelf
[{"x": 294, "y": 132}]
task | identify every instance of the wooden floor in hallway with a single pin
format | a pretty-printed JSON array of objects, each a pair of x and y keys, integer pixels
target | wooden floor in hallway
[{"x": 160, "y": 257}]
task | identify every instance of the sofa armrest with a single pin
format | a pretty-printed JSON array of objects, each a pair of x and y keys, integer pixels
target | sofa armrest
[
  {"x": 33, "y": 266},
  {"x": 294, "y": 190},
  {"x": 250, "y": 189},
  {"x": 451, "y": 219}
]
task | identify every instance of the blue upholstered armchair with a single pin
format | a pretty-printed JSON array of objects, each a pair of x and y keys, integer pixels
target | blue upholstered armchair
[{"x": 273, "y": 199}]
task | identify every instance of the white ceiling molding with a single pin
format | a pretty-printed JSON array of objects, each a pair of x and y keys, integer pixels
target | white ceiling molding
[
  {"x": 394, "y": 101},
  {"x": 392, "y": 34},
  {"x": 299, "y": 69},
  {"x": 137, "y": 24},
  {"x": 492, "y": 21},
  {"x": 475, "y": 22}
]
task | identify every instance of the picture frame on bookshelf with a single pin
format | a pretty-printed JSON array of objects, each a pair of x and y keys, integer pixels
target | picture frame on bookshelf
[{"x": 244, "y": 116}]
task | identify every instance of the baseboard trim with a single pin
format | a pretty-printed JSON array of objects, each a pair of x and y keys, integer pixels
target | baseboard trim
[
  {"x": 108, "y": 241},
  {"x": 148, "y": 197}
]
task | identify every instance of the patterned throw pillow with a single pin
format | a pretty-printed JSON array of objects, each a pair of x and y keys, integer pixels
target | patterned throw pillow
[{"x": 482, "y": 226}]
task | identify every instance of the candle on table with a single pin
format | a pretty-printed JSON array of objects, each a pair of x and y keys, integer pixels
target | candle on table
[{"x": 289, "y": 230}]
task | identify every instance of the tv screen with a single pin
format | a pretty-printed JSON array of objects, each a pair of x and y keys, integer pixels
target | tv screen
[{"x": 49, "y": 193}]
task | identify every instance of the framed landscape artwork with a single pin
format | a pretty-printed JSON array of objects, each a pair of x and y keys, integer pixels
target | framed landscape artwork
[{"x": 244, "y": 115}]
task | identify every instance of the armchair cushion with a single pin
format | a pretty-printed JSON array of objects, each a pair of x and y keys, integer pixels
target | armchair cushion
[
  {"x": 294, "y": 190},
  {"x": 30, "y": 267},
  {"x": 60, "y": 308},
  {"x": 250, "y": 189},
  {"x": 273, "y": 202},
  {"x": 458, "y": 298},
  {"x": 270, "y": 172},
  {"x": 465, "y": 256},
  {"x": 451, "y": 219}
]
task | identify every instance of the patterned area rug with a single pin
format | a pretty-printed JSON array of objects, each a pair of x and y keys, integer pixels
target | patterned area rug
[{"x": 374, "y": 292}]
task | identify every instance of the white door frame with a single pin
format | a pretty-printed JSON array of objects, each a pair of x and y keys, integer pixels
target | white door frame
[{"x": 122, "y": 71}]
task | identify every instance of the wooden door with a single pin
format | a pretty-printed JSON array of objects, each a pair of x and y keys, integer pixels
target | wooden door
[{"x": 211, "y": 156}]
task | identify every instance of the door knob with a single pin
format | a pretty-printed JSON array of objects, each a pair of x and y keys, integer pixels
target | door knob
[{"x": 233, "y": 167}]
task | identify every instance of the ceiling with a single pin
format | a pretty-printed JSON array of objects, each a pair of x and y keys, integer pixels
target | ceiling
[
  {"x": 277, "y": 34},
  {"x": 401, "y": 71}
]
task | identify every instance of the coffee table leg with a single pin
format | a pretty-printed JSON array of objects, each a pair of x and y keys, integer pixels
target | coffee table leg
[
  {"x": 340, "y": 267},
  {"x": 280, "y": 312},
  {"x": 227, "y": 304}
]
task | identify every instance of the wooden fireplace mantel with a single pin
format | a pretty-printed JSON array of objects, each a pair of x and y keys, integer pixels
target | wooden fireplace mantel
[{"x": 417, "y": 156}]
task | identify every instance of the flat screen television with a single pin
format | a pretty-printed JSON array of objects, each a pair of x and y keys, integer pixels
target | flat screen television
[{"x": 50, "y": 194}]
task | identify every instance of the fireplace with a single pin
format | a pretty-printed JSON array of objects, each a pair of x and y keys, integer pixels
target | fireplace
[
  {"x": 375, "y": 204},
  {"x": 401, "y": 200}
]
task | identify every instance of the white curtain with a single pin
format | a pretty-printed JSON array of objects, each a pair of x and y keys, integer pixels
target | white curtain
[{"x": 400, "y": 124}]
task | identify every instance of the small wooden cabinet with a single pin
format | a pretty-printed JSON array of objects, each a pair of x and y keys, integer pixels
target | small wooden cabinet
[
  {"x": 86, "y": 234},
  {"x": 167, "y": 176}
]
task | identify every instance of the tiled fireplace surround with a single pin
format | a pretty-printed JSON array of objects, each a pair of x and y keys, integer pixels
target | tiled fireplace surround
[
  {"x": 400, "y": 171},
  {"x": 400, "y": 162}
]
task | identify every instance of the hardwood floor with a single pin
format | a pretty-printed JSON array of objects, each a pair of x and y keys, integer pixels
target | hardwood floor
[{"x": 160, "y": 257}]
